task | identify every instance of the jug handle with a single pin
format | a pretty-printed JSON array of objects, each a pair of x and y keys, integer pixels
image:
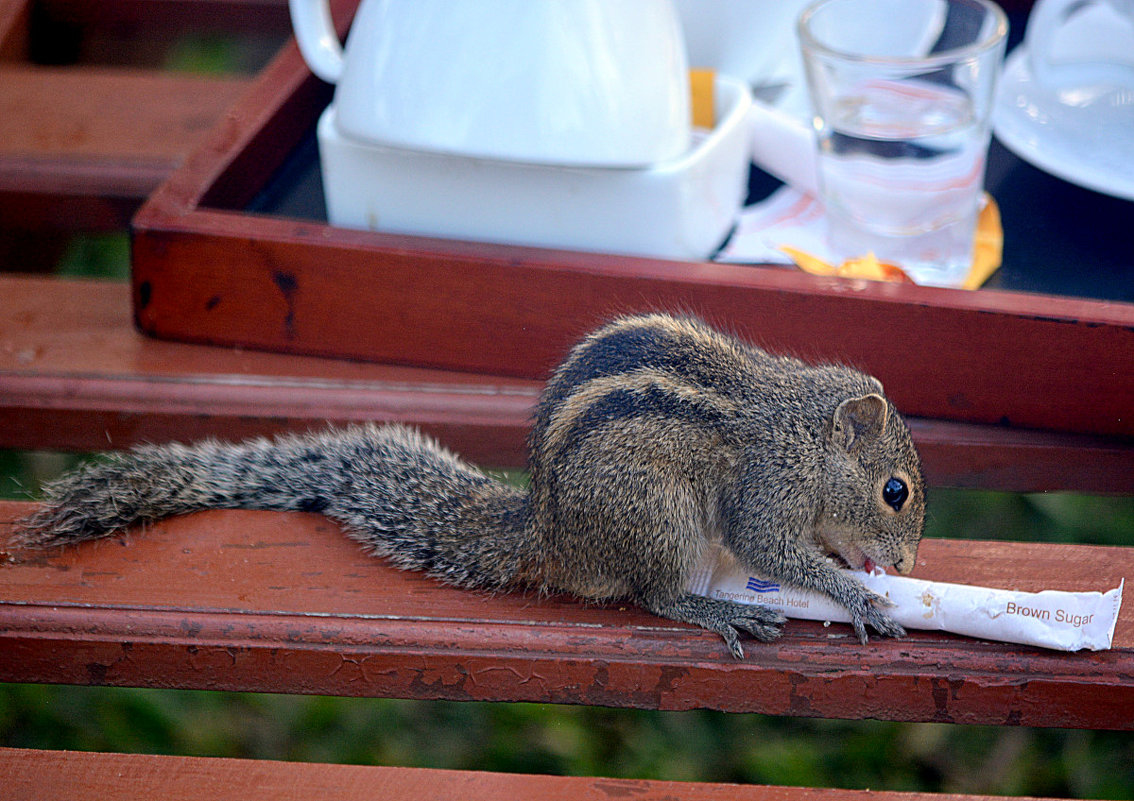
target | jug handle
[{"x": 317, "y": 39}]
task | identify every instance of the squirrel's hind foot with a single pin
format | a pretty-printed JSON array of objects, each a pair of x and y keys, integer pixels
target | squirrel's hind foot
[
  {"x": 723, "y": 617},
  {"x": 871, "y": 612}
]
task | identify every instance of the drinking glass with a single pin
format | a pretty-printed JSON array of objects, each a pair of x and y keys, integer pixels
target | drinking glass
[{"x": 902, "y": 94}]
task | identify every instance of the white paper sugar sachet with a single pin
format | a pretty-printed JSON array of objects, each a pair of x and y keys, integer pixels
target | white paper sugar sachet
[{"x": 1064, "y": 621}]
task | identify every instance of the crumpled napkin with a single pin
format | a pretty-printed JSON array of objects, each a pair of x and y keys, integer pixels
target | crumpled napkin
[{"x": 790, "y": 227}]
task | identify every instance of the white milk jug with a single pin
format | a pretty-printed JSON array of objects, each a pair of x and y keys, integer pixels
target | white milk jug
[{"x": 575, "y": 82}]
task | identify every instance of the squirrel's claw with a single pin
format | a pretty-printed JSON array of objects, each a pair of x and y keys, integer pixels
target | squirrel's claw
[
  {"x": 764, "y": 626},
  {"x": 732, "y": 641},
  {"x": 723, "y": 617},
  {"x": 871, "y": 613}
]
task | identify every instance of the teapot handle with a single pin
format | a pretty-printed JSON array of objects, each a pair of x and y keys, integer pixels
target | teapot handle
[{"x": 318, "y": 41}]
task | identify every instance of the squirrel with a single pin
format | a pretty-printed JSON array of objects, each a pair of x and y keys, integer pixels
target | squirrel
[{"x": 657, "y": 438}]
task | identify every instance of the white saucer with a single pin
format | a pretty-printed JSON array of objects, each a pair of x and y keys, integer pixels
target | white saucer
[{"x": 1089, "y": 142}]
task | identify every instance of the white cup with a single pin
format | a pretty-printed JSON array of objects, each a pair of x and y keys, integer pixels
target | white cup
[
  {"x": 1079, "y": 48},
  {"x": 584, "y": 82}
]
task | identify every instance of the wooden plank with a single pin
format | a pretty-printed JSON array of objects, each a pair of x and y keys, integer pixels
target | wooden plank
[
  {"x": 15, "y": 18},
  {"x": 205, "y": 275},
  {"x": 284, "y": 603},
  {"x": 81, "y": 146},
  {"x": 99, "y": 113},
  {"x": 991, "y": 457},
  {"x": 75, "y": 375},
  {"x": 65, "y": 775},
  {"x": 112, "y": 135}
]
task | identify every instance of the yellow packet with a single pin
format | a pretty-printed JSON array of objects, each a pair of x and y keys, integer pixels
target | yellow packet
[
  {"x": 988, "y": 250},
  {"x": 703, "y": 100}
]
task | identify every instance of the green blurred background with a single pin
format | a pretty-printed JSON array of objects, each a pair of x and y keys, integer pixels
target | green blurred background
[{"x": 696, "y": 745}]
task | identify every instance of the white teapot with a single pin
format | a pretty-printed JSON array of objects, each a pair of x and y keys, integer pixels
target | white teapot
[{"x": 571, "y": 82}]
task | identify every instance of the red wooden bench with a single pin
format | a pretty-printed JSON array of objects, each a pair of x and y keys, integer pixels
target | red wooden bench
[{"x": 284, "y": 603}]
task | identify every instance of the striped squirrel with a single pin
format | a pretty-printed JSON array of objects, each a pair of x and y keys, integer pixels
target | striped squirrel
[{"x": 656, "y": 438}]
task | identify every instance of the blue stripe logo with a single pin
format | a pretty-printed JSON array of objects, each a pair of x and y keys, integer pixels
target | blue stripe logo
[{"x": 758, "y": 585}]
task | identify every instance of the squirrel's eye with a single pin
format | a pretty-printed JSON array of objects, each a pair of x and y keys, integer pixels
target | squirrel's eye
[{"x": 895, "y": 493}]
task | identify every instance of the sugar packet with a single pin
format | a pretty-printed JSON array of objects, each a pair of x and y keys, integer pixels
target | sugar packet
[{"x": 1064, "y": 621}]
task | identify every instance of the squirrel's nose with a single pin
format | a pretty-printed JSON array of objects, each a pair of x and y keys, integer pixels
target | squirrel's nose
[{"x": 904, "y": 564}]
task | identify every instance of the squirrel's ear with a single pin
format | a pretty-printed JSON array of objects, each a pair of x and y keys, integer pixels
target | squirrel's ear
[{"x": 859, "y": 421}]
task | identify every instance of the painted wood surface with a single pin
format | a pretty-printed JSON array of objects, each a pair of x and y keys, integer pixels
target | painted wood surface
[
  {"x": 65, "y": 775},
  {"x": 285, "y": 603},
  {"x": 993, "y": 358},
  {"x": 76, "y": 375},
  {"x": 118, "y": 132},
  {"x": 81, "y": 148}
]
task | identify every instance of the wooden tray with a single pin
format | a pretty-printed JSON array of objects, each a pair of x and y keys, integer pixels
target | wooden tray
[{"x": 208, "y": 269}]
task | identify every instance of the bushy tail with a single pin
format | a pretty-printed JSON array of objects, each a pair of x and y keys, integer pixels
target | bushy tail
[{"x": 394, "y": 490}]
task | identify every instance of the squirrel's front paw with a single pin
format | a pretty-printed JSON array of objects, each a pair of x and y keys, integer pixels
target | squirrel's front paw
[
  {"x": 724, "y": 617},
  {"x": 869, "y": 611}
]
